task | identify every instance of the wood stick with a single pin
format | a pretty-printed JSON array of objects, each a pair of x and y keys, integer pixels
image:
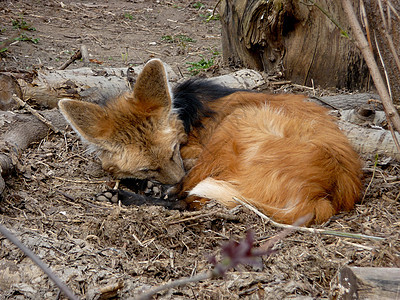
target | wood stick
[
  {"x": 362, "y": 44},
  {"x": 85, "y": 55},
  {"x": 12, "y": 238},
  {"x": 306, "y": 229},
  {"x": 184, "y": 281},
  {"x": 35, "y": 113},
  {"x": 77, "y": 55}
]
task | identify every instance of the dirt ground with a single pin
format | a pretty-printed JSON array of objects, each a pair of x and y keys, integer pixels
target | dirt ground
[{"x": 49, "y": 200}]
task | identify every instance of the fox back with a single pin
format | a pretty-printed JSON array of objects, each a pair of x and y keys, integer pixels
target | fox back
[{"x": 282, "y": 154}]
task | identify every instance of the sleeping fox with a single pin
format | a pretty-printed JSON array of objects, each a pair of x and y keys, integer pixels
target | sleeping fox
[{"x": 280, "y": 153}]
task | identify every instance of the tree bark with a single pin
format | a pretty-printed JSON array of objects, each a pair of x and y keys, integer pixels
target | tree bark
[
  {"x": 368, "y": 283},
  {"x": 295, "y": 37}
]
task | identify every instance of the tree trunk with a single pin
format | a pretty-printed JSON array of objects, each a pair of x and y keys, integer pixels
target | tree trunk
[{"x": 295, "y": 37}]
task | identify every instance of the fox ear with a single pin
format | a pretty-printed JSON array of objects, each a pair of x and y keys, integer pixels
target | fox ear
[
  {"x": 151, "y": 87},
  {"x": 87, "y": 119}
]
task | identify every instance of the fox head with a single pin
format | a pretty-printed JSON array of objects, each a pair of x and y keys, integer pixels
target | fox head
[{"x": 135, "y": 135}]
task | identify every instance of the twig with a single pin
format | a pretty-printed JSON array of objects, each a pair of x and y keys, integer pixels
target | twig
[
  {"x": 364, "y": 20},
  {"x": 8, "y": 42},
  {"x": 306, "y": 229},
  {"x": 12, "y": 238},
  {"x": 195, "y": 217},
  {"x": 153, "y": 52},
  {"x": 391, "y": 113},
  {"x": 302, "y": 86},
  {"x": 358, "y": 245},
  {"x": 280, "y": 82},
  {"x": 393, "y": 9},
  {"x": 106, "y": 292},
  {"x": 76, "y": 56},
  {"x": 35, "y": 113},
  {"x": 324, "y": 102},
  {"x": 80, "y": 181},
  {"x": 199, "y": 277},
  {"x": 215, "y": 9}
]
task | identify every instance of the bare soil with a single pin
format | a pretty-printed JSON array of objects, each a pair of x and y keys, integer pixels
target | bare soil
[{"x": 49, "y": 200}]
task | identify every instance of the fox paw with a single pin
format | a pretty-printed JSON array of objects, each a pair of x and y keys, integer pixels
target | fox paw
[
  {"x": 108, "y": 196},
  {"x": 129, "y": 198},
  {"x": 125, "y": 197}
]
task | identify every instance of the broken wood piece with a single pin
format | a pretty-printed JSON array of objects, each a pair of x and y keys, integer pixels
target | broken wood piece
[
  {"x": 8, "y": 87},
  {"x": 77, "y": 55},
  {"x": 88, "y": 84},
  {"x": 85, "y": 55},
  {"x": 19, "y": 131},
  {"x": 370, "y": 141},
  {"x": 369, "y": 283},
  {"x": 80, "y": 54},
  {"x": 346, "y": 101},
  {"x": 242, "y": 79}
]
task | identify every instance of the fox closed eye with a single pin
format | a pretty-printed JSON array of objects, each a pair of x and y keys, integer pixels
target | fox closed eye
[{"x": 146, "y": 170}]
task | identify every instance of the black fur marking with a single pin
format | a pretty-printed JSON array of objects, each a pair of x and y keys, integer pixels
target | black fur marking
[
  {"x": 191, "y": 100},
  {"x": 128, "y": 198}
]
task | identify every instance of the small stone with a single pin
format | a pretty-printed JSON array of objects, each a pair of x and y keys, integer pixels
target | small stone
[
  {"x": 101, "y": 198},
  {"x": 108, "y": 195},
  {"x": 114, "y": 199}
]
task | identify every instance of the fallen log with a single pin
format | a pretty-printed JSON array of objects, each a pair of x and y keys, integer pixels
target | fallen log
[
  {"x": 49, "y": 86},
  {"x": 345, "y": 101},
  {"x": 370, "y": 141},
  {"x": 18, "y": 131}
]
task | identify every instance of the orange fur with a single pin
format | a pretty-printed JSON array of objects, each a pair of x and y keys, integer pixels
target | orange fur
[{"x": 282, "y": 154}]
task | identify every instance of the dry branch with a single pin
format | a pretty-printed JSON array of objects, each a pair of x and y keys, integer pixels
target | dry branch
[
  {"x": 306, "y": 229},
  {"x": 12, "y": 238},
  {"x": 35, "y": 113},
  {"x": 362, "y": 43},
  {"x": 77, "y": 55}
]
